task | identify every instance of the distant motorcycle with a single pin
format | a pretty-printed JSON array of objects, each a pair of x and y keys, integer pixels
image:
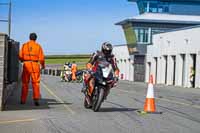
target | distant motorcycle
[
  {"x": 66, "y": 75},
  {"x": 103, "y": 75},
  {"x": 79, "y": 76}
]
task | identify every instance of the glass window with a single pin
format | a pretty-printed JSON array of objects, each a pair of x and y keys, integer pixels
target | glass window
[
  {"x": 153, "y": 7},
  {"x": 161, "y": 7},
  {"x": 146, "y": 35},
  {"x": 142, "y": 7},
  {"x": 142, "y": 35},
  {"x": 145, "y": 6},
  {"x": 166, "y": 9}
]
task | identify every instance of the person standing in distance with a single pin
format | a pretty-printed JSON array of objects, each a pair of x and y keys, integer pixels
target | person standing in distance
[{"x": 32, "y": 56}]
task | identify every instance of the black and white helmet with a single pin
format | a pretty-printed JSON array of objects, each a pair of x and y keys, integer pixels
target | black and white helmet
[{"x": 106, "y": 48}]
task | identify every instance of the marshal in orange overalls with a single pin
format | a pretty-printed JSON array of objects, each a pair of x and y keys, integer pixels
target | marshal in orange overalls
[
  {"x": 74, "y": 70},
  {"x": 31, "y": 54}
]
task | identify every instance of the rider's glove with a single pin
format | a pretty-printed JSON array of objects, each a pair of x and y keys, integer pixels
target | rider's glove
[{"x": 89, "y": 66}]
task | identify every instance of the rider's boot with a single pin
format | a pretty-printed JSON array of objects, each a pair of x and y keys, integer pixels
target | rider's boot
[{"x": 83, "y": 90}]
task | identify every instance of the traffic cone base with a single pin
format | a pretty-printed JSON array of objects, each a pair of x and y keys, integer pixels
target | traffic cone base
[{"x": 149, "y": 105}]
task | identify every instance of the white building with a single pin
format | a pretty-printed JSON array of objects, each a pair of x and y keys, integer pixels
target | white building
[
  {"x": 156, "y": 16},
  {"x": 123, "y": 61},
  {"x": 172, "y": 55}
]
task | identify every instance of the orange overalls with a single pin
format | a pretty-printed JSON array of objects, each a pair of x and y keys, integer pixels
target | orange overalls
[
  {"x": 31, "y": 54},
  {"x": 74, "y": 70}
]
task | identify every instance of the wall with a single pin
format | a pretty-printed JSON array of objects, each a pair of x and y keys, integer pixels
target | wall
[
  {"x": 124, "y": 62},
  {"x": 175, "y": 44},
  {"x": 2, "y": 66}
]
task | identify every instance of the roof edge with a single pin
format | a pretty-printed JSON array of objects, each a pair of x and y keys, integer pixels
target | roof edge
[
  {"x": 126, "y": 21},
  {"x": 180, "y": 29}
]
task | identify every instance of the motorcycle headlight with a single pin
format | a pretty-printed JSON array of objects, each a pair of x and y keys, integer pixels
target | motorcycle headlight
[{"x": 103, "y": 83}]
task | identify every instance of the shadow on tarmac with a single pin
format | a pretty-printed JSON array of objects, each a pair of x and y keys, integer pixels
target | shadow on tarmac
[
  {"x": 113, "y": 109},
  {"x": 13, "y": 102},
  {"x": 117, "y": 108}
]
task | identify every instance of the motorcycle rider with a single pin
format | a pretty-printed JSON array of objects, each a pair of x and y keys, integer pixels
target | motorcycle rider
[
  {"x": 74, "y": 70},
  {"x": 65, "y": 66},
  {"x": 106, "y": 52},
  {"x": 66, "y": 71}
]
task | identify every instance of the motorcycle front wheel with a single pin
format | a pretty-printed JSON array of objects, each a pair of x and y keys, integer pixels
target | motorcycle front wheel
[{"x": 98, "y": 101}]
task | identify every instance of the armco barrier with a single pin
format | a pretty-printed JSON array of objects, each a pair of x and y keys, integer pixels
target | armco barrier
[
  {"x": 58, "y": 72},
  {"x": 53, "y": 72},
  {"x": 45, "y": 71}
]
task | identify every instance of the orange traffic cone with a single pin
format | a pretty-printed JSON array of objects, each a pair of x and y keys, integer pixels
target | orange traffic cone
[{"x": 149, "y": 105}]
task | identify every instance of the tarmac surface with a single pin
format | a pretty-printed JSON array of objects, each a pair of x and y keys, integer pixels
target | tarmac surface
[{"x": 61, "y": 110}]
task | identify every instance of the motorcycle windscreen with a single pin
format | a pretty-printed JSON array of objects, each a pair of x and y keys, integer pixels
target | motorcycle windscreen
[{"x": 106, "y": 71}]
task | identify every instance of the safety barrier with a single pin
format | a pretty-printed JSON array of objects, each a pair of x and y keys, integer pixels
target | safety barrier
[
  {"x": 9, "y": 68},
  {"x": 50, "y": 71}
]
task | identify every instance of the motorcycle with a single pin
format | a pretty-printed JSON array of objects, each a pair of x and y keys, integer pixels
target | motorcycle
[
  {"x": 65, "y": 75},
  {"x": 104, "y": 78}
]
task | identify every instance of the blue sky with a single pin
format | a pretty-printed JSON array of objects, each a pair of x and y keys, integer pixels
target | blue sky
[{"x": 69, "y": 26}]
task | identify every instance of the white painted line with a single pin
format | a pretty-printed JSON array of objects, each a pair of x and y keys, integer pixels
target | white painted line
[
  {"x": 57, "y": 98},
  {"x": 17, "y": 121}
]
